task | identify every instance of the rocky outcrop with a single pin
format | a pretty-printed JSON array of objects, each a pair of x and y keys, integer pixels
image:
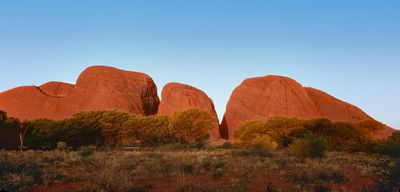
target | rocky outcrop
[
  {"x": 263, "y": 97},
  {"x": 97, "y": 88},
  {"x": 334, "y": 109},
  {"x": 179, "y": 97}
]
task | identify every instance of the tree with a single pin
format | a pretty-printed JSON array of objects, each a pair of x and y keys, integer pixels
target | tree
[
  {"x": 108, "y": 122},
  {"x": 41, "y": 134},
  {"x": 278, "y": 128},
  {"x": 249, "y": 130},
  {"x": 191, "y": 126},
  {"x": 311, "y": 145},
  {"x": 147, "y": 131},
  {"x": 264, "y": 142},
  {"x": 389, "y": 146},
  {"x": 3, "y": 115},
  {"x": 9, "y": 132}
]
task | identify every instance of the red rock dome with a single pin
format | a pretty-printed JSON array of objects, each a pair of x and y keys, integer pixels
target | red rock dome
[
  {"x": 263, "y": 97},
  {"x": 179, "y": 97},
  {"x": 97, "y": 88}
]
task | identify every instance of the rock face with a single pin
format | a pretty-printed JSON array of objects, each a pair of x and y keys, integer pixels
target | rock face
[
  {"x": 334, "y": 109},
  {"x": 179, "y": 97},
  {"x": 263, "y": 97},
  {"x": 97, "y": 88}
]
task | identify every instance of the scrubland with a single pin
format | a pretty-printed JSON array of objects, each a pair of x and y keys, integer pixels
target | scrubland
[{"x": 212, "y": 169}]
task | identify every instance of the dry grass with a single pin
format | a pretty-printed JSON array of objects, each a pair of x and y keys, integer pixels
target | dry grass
[{"x": 189, "y": 170}]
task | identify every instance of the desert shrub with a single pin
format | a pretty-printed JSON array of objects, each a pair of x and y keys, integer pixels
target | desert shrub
[
  {"x": 21, "y": 176},
  {"x": 281, "y": 126},
  {"x": 390, "y": 183},
  {"x": 62, "y": 146},
  {"x": 3, "y": 116},
  {"x": 248, "y": 131},
  {"x": 42, "y": 134},
  {"x": 74, "y": 132},
  {"x": 86, "y": 152},
  {"x": 191, "y": 126},
  {"x": 252, "y": 151},
  {"x": 78, "y": 132},
  {"x": 227, "y": 145},
  {"x": 85, "y": 128},
  {"x": 148, "y": 131},
  {"x": 318, "y": 178},
  {"x": 278, "y": 128},
  {"x": 264, "y": 142},
  {"x": 49, "y": 177},
  {"x": 109, "y": 174},
  {"x": 321, "y": 188},
  {"x": 311, "y": 145},
  {"x": 389, "y": 146},
  {"x": 9, "y": 132},
  {"x": 109, "y": 124},
  {"x": 259, "y": 151},
  {"x": 5, "y": 167},
  {"x": 216, "y": 166},
  {"x": 395, "y": 174},
  {"x": 342, "y": 136}
]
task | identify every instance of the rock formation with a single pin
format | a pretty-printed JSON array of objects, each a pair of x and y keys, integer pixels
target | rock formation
[
  {"x": 177, "y": 97},
  {"x": 263, "y": 97},
  {"x": 334, "y": 109},
  {"x": 97, "y": 88}
]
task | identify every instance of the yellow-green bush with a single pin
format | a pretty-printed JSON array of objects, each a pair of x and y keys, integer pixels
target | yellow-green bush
[
  {"x": 191, "y": 126},
  {"x": 265, "y": 142},
  {"x": 311, "y": 145}
]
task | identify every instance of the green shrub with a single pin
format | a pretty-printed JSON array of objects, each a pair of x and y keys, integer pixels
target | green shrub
[
  {"x": 228, "y": 145},
  {"x": 42, "y": 134},
  {"x": 310, "y": 146},
  {"x": 86, "y": 152},
  {"x": 264, "y": 142},
  {"x": 62, "y": 146},
  {"x": 9, "y": 132},
  {"x": 148, "y": 131},
  {"x": 191, "y": 126},
  {"x": 278, "y": 128},
  {"x": 109, "y": 174},
  {"x": 390, "y": 183},
  {"x": 252, "y": 151},
  {"x": 3, "y": 116},
  {"x": 389, "y": 146},
  {"x": 5, "y": 167}
]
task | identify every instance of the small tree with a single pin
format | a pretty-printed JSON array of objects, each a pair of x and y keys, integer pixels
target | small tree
[
  {"x": 389, "y": 146},
  {"x": 42, "y": 134},
  {"x": 277, "y": 128},
  {"x": 264, "y": 142},
  {"x": 108, "y": 122},
  {"x": 311, "y": 145},
  {"x": 3, "y": 115},
  {"x": 148, "y": 131},
  {"x": 248, "y": 131},
  {"x": 191, "y": 126}
]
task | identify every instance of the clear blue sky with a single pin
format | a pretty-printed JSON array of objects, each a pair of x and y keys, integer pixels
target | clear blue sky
[{"x": 350, "y": 49}]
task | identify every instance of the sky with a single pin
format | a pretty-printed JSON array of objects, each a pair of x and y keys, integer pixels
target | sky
[{"x": 350, "y": 49}]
